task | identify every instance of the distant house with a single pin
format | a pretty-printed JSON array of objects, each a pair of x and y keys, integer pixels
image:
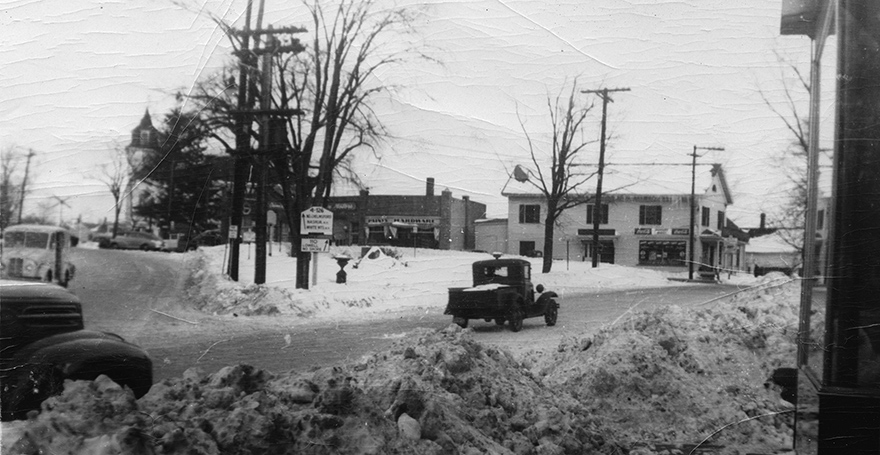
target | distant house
[
  {"x": 772, "y": 253},
  {"x": 644, "y": 219},
  {"x": 491, "y": 235}
]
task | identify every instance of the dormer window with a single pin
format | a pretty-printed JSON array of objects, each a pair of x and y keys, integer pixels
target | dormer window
[{"x": 145, "y": 138}]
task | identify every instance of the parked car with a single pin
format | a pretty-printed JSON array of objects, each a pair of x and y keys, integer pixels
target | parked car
[
  {"x": 44, "y": 342},
  {"x": 211, "y": 237},
  {"x": 37, "y": 252},
  {"x": 130, "y": 240},
  {"x": 502, "y": 292}
]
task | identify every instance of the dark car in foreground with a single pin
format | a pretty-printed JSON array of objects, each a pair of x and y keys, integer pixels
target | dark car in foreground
[
  {"x": 502, "y": 292},
  {"x": 43, "y": 342}
]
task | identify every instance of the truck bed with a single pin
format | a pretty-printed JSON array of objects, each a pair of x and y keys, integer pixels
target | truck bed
[{"x": 485, "y": 301}]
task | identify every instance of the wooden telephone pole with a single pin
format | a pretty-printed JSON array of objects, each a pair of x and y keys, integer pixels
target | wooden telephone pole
[
  {"x": 597, "y": 206},
  {"x": 245, "y": 158}
]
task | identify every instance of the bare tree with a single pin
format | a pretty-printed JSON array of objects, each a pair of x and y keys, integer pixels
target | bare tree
[
  {"x": 793, "y": 160},
  {"x": 561, "y": 183},
  {"x": 333, "y": 83},
  {"x": 13, "y": 185},
  {"x": 116, "y": 174},
  {"x": 9, "y": 186}
]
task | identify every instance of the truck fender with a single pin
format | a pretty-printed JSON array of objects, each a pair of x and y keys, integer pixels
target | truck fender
[
  {"x": 84, "y": 355},
  {"x": 547, "y": 296}
]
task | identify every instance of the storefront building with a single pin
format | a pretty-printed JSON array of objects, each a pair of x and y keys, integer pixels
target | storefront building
[
  {"x": 427, "y": 221},
  {"x": 644, "y": 220}
]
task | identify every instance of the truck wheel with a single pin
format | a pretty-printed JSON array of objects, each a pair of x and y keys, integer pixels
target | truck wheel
[
  {"x": 516, "y": 320},
  {"x": 462, "y": 322},
  {"x": 499, "y": 321},
  {"x": 551, "y": 313}
]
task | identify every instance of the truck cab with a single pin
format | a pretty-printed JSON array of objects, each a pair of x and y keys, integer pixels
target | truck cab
[{"x": 37, "y": 252}]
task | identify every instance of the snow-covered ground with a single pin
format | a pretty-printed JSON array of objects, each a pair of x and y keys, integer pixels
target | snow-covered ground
[{"x": 403, "y": 279}]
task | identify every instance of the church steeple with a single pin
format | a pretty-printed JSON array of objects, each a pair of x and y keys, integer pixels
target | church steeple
[{"x": 145, "y": 135}]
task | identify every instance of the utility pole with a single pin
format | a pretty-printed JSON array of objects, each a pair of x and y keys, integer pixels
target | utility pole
[
  {"x": 597, "y": 206},
  {"x": 694, "y": 208},
  {"x": 242, "y": 143},
  {"x": 27, "y": 168},
  {"x": 244, "y": 156}
]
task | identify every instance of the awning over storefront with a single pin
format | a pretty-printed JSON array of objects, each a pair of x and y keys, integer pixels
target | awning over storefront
[{"x": 711, "y": 236}]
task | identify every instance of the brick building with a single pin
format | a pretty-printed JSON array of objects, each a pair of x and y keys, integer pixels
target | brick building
[{"x": 425, "y": 221}]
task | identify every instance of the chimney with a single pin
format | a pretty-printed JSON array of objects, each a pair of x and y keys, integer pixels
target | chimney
[
  {"x": 763, "y": 221},
  {"x": 429, "y": 187}
]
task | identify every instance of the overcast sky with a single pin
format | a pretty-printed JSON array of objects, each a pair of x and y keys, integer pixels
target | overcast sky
[{"x": 77, "y": 75}]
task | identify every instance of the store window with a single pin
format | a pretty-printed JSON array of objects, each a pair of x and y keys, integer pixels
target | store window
[
  {"x": 662, "y": 252},
  {"x": 529, "y": 213},
  {"x": 603, "y": 214},
  {"x": 377, "y": 235},
  {"x": 650, "y": 214},
  {"x": 527, "y": 248},
  {"x": 705, "y": 215}
]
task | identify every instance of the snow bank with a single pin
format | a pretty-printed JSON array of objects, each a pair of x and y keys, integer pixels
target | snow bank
[
  {"x": 674, "y": 376},
  {"x": 437, "y": 392},
  {"x": 384, "y": 281}
]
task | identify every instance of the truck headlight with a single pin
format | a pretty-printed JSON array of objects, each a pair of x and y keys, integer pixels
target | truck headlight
[{"x": 30, "y": 266}]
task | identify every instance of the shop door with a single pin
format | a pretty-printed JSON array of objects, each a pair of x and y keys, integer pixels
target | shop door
[{"x": 606, "y": 251}]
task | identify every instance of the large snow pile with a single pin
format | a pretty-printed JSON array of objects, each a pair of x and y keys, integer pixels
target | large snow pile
[
  {"x": 438, "y": 392},
  {"x": 383, "y": 281},
  {"x": 639, "y": 386},
  {"x": 672, "y": 375}
]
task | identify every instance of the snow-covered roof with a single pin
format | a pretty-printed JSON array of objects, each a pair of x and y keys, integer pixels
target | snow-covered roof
[
  {"x": 770, "y": 243},
  {"x": 654, "y": 179}
]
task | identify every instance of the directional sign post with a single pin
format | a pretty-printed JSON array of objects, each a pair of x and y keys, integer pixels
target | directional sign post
[
  {"x": 316, "y": 220},
  {"x": 315, "y": 245}
]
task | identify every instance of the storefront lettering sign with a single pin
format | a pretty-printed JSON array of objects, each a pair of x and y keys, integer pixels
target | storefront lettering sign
[
  {"x": 643, "y": 231},
  {"x": 412, "y": 220},
  {"x": 601, "y": 232},
  {"x": 681, "y": 231},
  {"x": 343, "y": 206},
  {"x": 661, "y": 231}
]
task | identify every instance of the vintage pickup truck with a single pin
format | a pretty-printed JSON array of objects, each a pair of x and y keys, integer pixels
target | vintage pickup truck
[
  {"x": 502, "y": 291},
  {"x": 42, "y": 343}
]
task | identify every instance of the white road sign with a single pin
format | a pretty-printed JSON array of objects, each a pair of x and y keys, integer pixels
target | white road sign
[
  {"x": 316, "y": 220},
  {"x": 315, "y": 245}
]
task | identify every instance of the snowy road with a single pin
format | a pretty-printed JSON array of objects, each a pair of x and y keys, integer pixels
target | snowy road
[{"x": 136, "y": 294}]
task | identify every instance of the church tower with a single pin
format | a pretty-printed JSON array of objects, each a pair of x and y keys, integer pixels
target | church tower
[{"x": 144, "y": 141}]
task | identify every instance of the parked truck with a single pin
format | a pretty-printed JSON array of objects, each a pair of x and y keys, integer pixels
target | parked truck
[
  {"x": 502, "y": 291},
  {"x": 37, "y": 252}
]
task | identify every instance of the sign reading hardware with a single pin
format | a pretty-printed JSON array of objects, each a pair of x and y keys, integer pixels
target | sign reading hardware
[
  {"x": 432, "y": 220},
  {"x": 315, "y": 245},
  {"x": 316, "y": 220}
]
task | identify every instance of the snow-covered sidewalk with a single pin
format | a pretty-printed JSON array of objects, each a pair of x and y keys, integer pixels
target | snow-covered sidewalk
[{"x": 380, "y": 283}]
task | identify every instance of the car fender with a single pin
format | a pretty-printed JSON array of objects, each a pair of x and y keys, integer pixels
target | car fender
[{"x": 85, "y": 354}]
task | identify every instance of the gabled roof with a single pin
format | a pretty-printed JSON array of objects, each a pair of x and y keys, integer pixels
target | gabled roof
[{"x": 632, "y": 180}]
